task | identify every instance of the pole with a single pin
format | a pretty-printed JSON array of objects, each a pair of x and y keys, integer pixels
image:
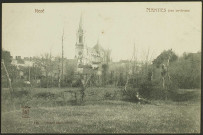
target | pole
[
  {"x": 62, "y": 55},
  {"x": 133, "y": 61},
  {"x": 59, "y": 79},
  {"x": 10, "y": 86},
  {"x": 134, "y": 65},
  {"x": 29, "y": 71},
  {"x": 9, "y": 80}
]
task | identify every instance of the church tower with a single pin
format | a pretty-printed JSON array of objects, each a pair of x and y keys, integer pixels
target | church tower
[{"x": 79, "y": 46}]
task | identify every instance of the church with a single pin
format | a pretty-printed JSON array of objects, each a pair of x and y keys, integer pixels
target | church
[{"x": 88, "y": 57}]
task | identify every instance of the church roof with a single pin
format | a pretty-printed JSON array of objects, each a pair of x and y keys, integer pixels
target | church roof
[{"x": 98, "y": 47}]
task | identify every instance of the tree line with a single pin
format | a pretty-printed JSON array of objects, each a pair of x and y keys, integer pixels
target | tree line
[{"x": 184, "y": 71}]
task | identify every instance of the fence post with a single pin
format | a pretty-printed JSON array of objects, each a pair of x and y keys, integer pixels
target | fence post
[{"x": 10, "y": 85}]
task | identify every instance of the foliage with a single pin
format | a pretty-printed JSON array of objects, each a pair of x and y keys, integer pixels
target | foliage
[
  {"x": 121, "y": 80},
  {"x": 77, "y": 82},
  {"x": 111, "y": 78},
  {"x": 130, "y": 94},
  {"x": 105, "y": 68},
  {"x": 45, "y": 95},
  {"x": 6, "y": 56},
  {"x": 21, "y": 93},
  {"x": 162, "y": 58},
  {"x": 50, "y": 69},
  {"x": 18, "y": 83},
  {"x": 69, "y": 74},
  {"x": 109, "y": 95},
  {"x": 154, "y": 90},
  {"x": 186, "y": 71},
  {"x": 184, "y": 95},
  {"x": 12, "y": 70}
]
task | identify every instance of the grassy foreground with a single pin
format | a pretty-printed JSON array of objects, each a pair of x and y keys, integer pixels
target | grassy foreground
[{"x": 100, "y": 115}]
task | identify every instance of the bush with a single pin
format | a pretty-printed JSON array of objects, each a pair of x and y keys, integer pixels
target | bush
[
  {"x": 130, "y": 94},
  {"x": 109, "y": 95},
  {"x": 187, "y": 71},
  {"x": 18, "y": 83},
  {"x": 21, "y": 93},
  {"x": 185, "y": 96},
  {"x": 45, "y": 95},
  {"x": 154, "y": 89},
  {"x": 76, "y": 83},
  {"x": 4, "y": 83}
]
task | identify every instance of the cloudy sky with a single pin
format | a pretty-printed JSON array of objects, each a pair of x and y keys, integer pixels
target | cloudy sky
[{"x": 118, "y": 26}]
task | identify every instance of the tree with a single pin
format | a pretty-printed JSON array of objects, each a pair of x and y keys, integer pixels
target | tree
[
  {"x": 46, "y": 65},
  {"x": 104, "y": 73},
  {"x": 11, "y": 69},
  {"x": 186, "y": 72},
  {"x": 69, "y": 72},
  {"x": 163, "y": 57},
  {"x": 84, "y": 85},
  {"x": 6, "y": 56}
]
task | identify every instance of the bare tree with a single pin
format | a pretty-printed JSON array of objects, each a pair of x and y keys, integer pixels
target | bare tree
[
  {"x": 133, "y": 67},
  {"x": 45, "y": 63}
]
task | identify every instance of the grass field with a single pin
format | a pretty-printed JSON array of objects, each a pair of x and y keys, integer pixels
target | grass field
[{"x": 102, "y": 112}]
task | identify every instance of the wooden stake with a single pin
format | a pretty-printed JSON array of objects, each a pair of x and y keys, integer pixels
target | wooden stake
[
  {"x": 10, "y": 85},
  {"x": 9, "y": 80},
  {"x": 62, "y": 56}
]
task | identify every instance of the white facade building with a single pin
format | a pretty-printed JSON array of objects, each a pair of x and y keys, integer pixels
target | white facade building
[{"x": 86, "y": 56}]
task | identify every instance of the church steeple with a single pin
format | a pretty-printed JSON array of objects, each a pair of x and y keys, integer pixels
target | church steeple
[
  {"x": 80, "y": 34},
  {"x": 80, "y": 45},
  {"x": 98, "y": 46},
  {"x": 81, "y": 23},
  {"x": 98, "y": 41}
]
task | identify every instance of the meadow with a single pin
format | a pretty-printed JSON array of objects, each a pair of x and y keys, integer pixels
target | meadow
[{"x": 103, "y": 111}]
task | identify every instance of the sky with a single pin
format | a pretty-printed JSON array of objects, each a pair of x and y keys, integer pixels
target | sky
[{"x": 118, "y": 26}]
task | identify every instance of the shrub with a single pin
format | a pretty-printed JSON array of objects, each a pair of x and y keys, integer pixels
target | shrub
[
  {"x": 45, "y": 95},
  {"x": 154, "y": 90},
  {"x": 76, "y": 83},
  {"x": 18, "y": 83},
  {"x": 130, "y": 94},
  {"x": 185, "y": 96},
  {"x": 109, "y": 95},
  {"x": 187, "y": 71},
  {"x": 21, "y": 93}
]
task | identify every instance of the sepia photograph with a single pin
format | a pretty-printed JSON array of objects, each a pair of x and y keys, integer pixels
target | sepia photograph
[{"x": 101, "y": 67}]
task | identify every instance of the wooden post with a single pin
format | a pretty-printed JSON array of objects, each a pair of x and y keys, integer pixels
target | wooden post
[
  {"x": 62, "y": 57},
  {"x": 10, "y": 85},
  {"x": 169, "y": 57},
  {"x": 9, "y": 80},
  {"x": 133, "y": 72},
  {"x": 59, "y": 76},
  {"x": 29, "y": 71},
  {"x": 59, "y": 80},
  {"x": 163, "y": 82}
]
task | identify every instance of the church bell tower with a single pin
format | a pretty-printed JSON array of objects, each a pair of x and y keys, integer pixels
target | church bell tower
[{"x": 79, "y": 46}]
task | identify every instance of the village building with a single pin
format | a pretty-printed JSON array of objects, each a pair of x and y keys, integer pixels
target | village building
[
  {"x": 88, "y": 57},
  {"x": 26, "y": 62},
  {"x": 21, "y": 63}
]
